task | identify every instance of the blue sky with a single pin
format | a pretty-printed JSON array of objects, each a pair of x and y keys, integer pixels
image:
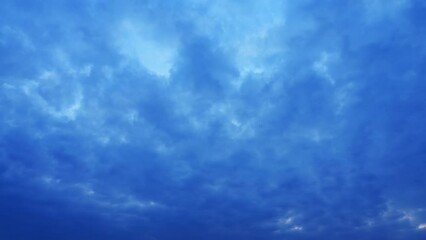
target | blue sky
[{"x": 196, "y": 119}]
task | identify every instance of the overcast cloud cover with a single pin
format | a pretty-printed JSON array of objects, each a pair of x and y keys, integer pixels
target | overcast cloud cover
[{"x": 225, "y": 119}]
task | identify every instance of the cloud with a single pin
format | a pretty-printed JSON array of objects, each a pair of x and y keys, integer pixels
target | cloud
[
  {"x": 212, "y": 120},
  {"x": 138, "y": 42}
]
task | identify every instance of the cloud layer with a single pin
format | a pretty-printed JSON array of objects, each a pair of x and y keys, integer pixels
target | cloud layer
[{"x": 195, "y": 119}]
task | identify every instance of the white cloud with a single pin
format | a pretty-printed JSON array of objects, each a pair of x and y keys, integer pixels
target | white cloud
[
  {"x": 86, "y": 193},
  {"x": 67, "y": 107},
  {"x": 67, "y": 112},
  {"x": 48, "y": 75},
  {"x": 122, "y": 202},
  {"x": 85, "y": 189},
  {"x": 70, "y": 112},
  {"x": 296, "y": 228},
  {"x": 138, "y": 41},
  {"x": 288, "y": 224},
  {"x": 344, "y": 96},
  {"x": 406, "y": 216},
  {"x": 321, "y": 66},
  {"x": 285, "y": 221},
  {"x": 421, "y": 226},
  {"x": 49, "y": 180},
  {"x": 139, "y": 204},
  {"x": 244, "y": 32}
]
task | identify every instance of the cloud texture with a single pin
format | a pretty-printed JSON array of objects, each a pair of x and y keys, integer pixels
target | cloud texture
[{"x": 201, "y": 119}]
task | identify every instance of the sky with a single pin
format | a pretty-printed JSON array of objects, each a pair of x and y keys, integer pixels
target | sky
[{"x": 213, "y": 120}]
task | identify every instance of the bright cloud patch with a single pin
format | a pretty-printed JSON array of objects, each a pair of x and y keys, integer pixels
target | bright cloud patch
[{"x": 137, "y": 41}]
